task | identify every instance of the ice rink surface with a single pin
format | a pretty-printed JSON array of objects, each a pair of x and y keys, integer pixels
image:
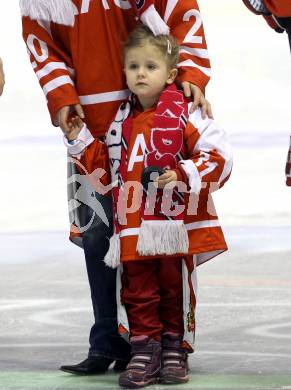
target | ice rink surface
[{"x": 243, "y": 336}]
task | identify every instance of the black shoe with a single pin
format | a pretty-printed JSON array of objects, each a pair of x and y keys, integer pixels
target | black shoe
[
  {"x": 120, "y": 365},
  {"x": 90, "y": 366}
]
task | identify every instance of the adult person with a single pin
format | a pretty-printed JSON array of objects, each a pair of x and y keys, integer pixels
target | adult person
[
  {"x": 277, "y": 13},
  {"x": 2, "y": 77},
  {"x": 75, "y": 49}
]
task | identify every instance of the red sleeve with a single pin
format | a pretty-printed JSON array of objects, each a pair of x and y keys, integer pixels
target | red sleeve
[
  {"x": 209, "y": 162},
  {"x": 51, "y": 66},
  {"x": 186, "y": 26},
  {"x": 281, "y": 8},
  {"x": 181, "y": 175},
  {"x": 95, "y": 157}
]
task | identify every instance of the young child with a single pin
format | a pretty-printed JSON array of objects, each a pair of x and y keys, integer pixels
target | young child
[{"x": 165, "y": 226}]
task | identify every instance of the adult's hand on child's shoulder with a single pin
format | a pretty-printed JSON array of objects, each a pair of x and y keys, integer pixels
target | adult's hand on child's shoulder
[
  {"x": 198, "y": 99},
  {"x": 2, "y": 77}
]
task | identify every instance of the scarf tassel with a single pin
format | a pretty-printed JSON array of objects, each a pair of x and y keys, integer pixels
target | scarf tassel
[
  {"x": 112, "y": 258},
  {"x": 57, "y": 11},
  {"x": 162, "y": 238}
]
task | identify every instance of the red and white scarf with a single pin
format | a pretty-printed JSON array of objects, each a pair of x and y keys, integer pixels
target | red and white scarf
[
  {"x": 64, "y": 11},
  {"x": 160, "y": 233}
]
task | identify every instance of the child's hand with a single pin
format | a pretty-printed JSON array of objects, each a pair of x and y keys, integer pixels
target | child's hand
[
  {"x": 75, "y": 126},
  {"x": 166, "y": 178}
]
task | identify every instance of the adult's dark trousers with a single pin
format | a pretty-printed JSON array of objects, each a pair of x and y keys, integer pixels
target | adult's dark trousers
[
  {"x": 104, "y": 338},
  {"x": 286, "y": 24}
]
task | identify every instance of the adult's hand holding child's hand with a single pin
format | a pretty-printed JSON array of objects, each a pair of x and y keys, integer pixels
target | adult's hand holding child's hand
[
  {"x": 65, "y": 118},
  {"x": 76, "y": 126}
]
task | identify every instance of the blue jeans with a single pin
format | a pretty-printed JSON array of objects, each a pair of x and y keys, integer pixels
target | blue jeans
[{"x": 104, "y": 338}]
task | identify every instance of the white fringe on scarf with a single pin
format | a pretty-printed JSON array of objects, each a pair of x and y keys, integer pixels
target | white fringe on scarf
[
  {"x": 112, "y": 258},
  {"x": 162, "y": 238},
  {"x": 154, "y": 22},
  {"x": 57, "y": 11}
]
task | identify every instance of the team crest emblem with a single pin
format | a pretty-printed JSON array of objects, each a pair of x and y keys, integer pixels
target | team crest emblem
[{"x": 139, "y": 4}]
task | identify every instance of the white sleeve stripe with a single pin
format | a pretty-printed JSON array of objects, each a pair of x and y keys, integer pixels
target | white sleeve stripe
[
  {"x": 57, "y": 82},
  {"x": 50, "y": 67},
  {"x": 202, "y": 224},
  {"x": 129, "y": 232},
  {"x": 104, "y": 97},
  {"x": 193, "y": 175},
  {"x": 210, "y": 168},
  {"x": 228, "y": 162},
  {"x": 192, "y": 64},
  {"x": 196, "y": 119},
  {"x": 71, "y": 70},
  {"x": 201, "y": 53},
  {"x": 211, "y": 137},
  {"x": 222, "y": 147},
  {"x": 34, "y": 65},
  {"x": 171, "y": 4}
]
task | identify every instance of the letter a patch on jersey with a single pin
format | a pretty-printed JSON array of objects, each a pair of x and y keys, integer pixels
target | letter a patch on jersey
[{"x": 138, "y": 152}]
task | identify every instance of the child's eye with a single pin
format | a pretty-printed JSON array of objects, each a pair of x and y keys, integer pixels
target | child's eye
[
  {"x": 133, "y": 66},
  {"x": 152, "y": 66}
]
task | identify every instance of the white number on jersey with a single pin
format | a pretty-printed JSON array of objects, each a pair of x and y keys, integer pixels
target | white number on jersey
[
  {"x": 86, "y": 4},
  {"x": 191, "y": 37},
  {"x": 43, "y": 48}
]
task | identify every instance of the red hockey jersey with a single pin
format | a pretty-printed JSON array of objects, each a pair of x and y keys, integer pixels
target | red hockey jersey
[
  {"x": 281, "y": 8},
  {"x": 207, "y": 166},
  {"x": 83, "y": 63},
  {"x": 209, "y": 161}
]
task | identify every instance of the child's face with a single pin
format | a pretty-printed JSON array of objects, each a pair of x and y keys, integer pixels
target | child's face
[{"x": 147, "y": 73}]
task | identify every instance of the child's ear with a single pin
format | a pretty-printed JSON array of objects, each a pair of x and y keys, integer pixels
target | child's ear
[{"x": 172, "y": 75}]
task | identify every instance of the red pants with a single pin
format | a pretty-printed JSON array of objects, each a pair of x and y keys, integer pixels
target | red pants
[{"x": 153, "y": 296}]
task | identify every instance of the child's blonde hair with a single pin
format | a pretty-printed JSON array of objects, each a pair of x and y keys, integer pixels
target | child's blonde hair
[{"x": 165, "y": 43}]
